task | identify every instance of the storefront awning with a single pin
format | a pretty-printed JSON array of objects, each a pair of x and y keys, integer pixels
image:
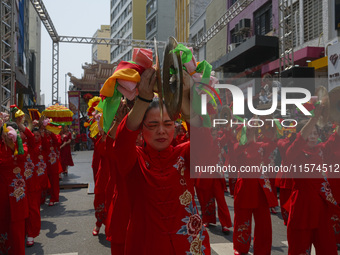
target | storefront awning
[
  {"x": 300, "y": 58},
  {"x": 254, "y": 51},
  {"x": 319, "y": 64}
]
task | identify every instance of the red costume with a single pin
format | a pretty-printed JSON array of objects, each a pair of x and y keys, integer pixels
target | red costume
[
  {"x": 311, "y": 201},
  {"x": 53, "y": 164},
  {"x": 65, "y": 152},
  {"x": 96, "y": 156},
  {"x": 333, "y": 159},
  {"x": 209, "y": 189},
  {"x": 253, "y": 197},
  {"x": 37, "y": 180},
  {"x": 13, "y": 200},
  {"x": 102, "y": 178},
  {"x": 231, "y": 160},
  {"x": 284, "y": 180},
  {"x": 118, "y": 205},
  {"x": 164, "y": 217}
]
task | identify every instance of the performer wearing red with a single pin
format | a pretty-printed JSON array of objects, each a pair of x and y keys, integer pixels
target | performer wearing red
[
  {"x": 37, "y": 180},
  {"x": 117, "y": 200},
  {"x": 253, "y": 197},
  {"x": 164, "y": 217},
  {"x": 284, "y": 180},
  {"x": 97, "y": 141},
  {"x": 13, "y": 193},
  {"x": 231, "y": 160},
  {"x": 332, "y": 159},
  {"x": 312, "y": 199},
  {"x": 209, "y": 189},
  {"x": 65, "y": 150},
  {"x": 102, "y": 178},
  {"x": 53, "y": 164}
]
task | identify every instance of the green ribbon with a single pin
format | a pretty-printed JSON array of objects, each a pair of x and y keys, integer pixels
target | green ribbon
[
  {"x": 20, "y": 145},
  {"x": 312, "y": 111},
  {"x": 243, "y": 139},
  {"x": 278, "y": 124},
  {"x": 205, "y": 68},
  {"x": 196, "y": 106},
  {"x": 110, "y": 106},
  {"x": 186, "y": 53}
]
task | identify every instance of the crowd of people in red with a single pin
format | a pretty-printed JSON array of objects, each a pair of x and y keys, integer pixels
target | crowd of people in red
[
  {"x": 31, "y": 162},
  {"x": 144, "y": 191},
  {"x": 144, "y": 194}
]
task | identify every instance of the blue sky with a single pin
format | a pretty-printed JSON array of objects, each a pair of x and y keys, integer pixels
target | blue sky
[{"x": 70, "y": 18}]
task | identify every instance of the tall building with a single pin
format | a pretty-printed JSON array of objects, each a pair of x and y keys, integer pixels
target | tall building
[
  {"x": 197, "y": 30},
  {"x": 99, "y": 51},
  {"x": 35, "y": 52},
  {"x": 182, "y": 28},
  {"x": 160, "y": 21},
  {"x": 128, "y": 22},
  {"x": 27, "y": 54},
  {"x": 217, "y": 46},
  {"x": 187, "y": 12}
]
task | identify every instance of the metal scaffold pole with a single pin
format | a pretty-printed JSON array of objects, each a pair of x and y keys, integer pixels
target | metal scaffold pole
[
  {"x": 286, "y": 46},
  {"x": 55, "y": 72},
  {"x": 7, "y": 70}
]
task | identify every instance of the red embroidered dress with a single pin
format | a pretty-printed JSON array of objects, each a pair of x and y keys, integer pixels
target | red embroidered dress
[
  {"x": 53, "y": 164},
  {"x": 65, "y": 152},
  {"x": 13, "y": 201},
  {"x": 35, "y": 165},
  {"x": 164, "y": 217},
  {"x": 253, "y": 197},
  {"x": 311, "y": 200}
]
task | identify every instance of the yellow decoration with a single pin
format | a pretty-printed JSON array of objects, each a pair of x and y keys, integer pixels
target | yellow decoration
[
  {"x": 184, "y": 124},
  {"x": 92, "y": 101},
  {"x": 6, "y": 130},
  {"x": 94, "y": 129},
  {"x": 239, "y": 133},
  {"x": 19, "y": 113}
]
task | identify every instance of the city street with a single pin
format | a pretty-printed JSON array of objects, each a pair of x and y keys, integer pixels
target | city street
[{"x": 67, "y": 227}]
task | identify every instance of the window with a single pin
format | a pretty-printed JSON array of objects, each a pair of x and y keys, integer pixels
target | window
[
  {"x": 312, "y": 19},
  {"x": 151, "y": 25},
  {"x": 263, "y": 20},
  {"x": 236, "y": 37},
  {"x": 150, "y": 7}
]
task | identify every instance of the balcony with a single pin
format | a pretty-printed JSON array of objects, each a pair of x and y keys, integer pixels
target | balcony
[{"x": 252, "y": 52}]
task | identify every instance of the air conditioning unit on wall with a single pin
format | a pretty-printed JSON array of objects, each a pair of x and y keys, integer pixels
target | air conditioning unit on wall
[
  {"x": 231, "y": 47},
  {"x": 244, "y": 24}
]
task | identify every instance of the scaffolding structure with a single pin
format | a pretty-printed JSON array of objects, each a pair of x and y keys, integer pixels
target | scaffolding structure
[
  {"x": 7, "y": 41},
  {"x": 7, "y": 70},
  {"x": 286, "y": 46},
  {"x": 230, "y": 14}
]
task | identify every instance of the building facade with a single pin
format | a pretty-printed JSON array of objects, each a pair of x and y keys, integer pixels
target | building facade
[
  {"x": 99, "y": 51},
  {"x": 217, "y": 46},
  {"x": 27, "y": 49},
  {"x": 160, "y": 23},
  {"x": 128, "y": 22}
]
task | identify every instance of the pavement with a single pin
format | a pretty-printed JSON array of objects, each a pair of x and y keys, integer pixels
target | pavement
[{"x": 66, "y": 228}]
